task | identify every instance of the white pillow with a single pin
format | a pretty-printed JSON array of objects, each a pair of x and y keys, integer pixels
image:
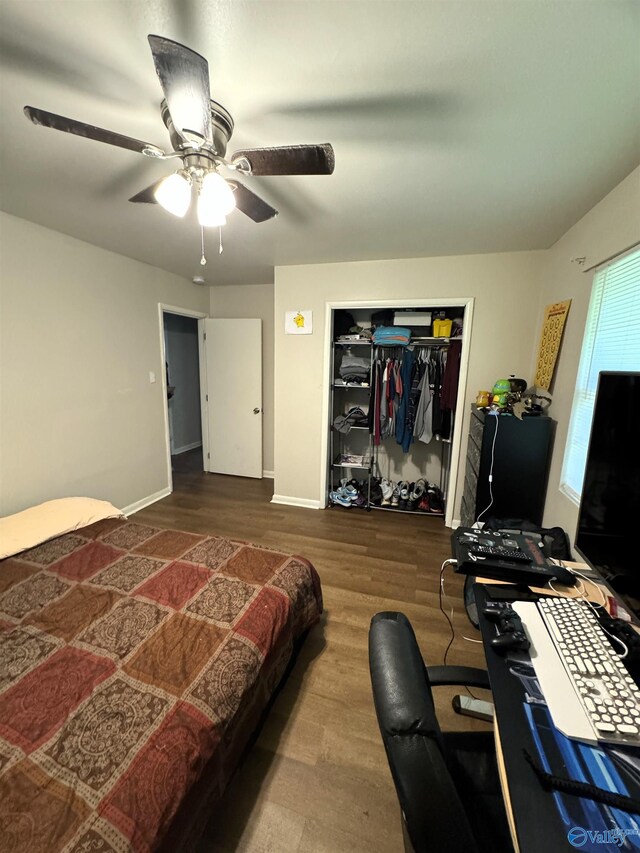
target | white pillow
[{"x": 32, "y": 526}]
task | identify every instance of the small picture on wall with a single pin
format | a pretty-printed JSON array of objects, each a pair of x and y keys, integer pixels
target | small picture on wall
[{"x": 298, "y": 322}]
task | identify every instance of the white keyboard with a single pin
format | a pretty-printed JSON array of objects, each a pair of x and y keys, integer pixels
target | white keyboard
[{"x": 588, "y": 690}]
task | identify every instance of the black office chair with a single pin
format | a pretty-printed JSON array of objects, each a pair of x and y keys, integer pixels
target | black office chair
[{"x": 447, "y": 782}]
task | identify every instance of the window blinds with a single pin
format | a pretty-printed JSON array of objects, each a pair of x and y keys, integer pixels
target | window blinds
[{"x": 611, "y": 342}]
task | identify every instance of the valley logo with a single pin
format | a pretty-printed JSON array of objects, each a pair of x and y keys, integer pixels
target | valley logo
[{"x": 578, "y": 836}]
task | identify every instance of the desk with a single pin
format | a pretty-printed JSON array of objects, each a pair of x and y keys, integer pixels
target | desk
[{"x": 534, "y": 818}]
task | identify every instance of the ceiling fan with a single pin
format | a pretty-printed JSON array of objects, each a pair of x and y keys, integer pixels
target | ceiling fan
[{"x": 199, "y": 131}]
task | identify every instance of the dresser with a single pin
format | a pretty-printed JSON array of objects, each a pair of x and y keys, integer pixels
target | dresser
[{"x": 521, "y": 457}]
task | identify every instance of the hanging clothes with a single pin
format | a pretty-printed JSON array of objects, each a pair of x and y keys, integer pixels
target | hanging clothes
[
  {"x": 436, "y": 407},
  {"x": 404, "y": 428},
  {"x": 423, "y": 429},
  {"x": 414, "y": 393},
  {"x": 449, "y": 391},
  {"x": 384, "y": 401},
  {"x": 377, "y": 376}
]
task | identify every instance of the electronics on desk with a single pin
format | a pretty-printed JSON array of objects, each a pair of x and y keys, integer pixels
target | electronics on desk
[
  {"x": 510, "y": 635},
  {"x": 589, "y": 692},
  {"x": 516, "y": 558},
  {"x": 605, "y": 540}
]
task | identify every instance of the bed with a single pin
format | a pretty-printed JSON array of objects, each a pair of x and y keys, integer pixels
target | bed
[{"x": 135, "y": 663}]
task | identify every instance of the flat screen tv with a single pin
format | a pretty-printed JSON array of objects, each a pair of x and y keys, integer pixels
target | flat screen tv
[{"x": 608, "y": 534}]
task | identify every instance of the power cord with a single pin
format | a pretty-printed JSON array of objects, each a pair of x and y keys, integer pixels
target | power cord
[
  {"x": 493, "y": 448},
  {"x": 441, "y": 593}
]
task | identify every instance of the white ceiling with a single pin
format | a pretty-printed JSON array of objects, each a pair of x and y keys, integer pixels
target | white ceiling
[{"x": 459, "y": 126}]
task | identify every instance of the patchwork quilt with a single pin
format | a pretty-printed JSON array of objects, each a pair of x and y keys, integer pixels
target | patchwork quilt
[{"x": 131, "y": 658}]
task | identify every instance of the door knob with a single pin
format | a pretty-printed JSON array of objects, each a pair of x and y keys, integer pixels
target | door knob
[{"x": 256, "y": 411}]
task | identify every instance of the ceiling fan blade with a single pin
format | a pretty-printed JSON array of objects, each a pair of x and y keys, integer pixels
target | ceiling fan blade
[
  {"x": 148, "y": 195},
  {"x": 184, "y": 77},
  {"x": 288, "y": 160},
  {"x": 251, "y": 204},
  {"x": 90, "y": 131}
]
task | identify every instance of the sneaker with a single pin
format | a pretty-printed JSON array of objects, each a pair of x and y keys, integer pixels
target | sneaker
[
  {"x": 436, "y": 501},
  {"x": 339, "y": 498},
  {"x": 424, "y": 505},
  {"x": 418, "y": 490},
  {"x": 387, "y": 492},
  {"x": 350, "y": 490},
  {"x": 375, "y": 495},
  {"x": 405, "y": 491},
  {"x": 395, "y": 497}
]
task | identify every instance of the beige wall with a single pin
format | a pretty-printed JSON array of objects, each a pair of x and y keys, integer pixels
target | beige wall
[
  {"x": 505, "y": 288},
  {"x": 251, "y": 302},
  {"x": 79, "y": 335},
  {"x": 612, "y": 226}
]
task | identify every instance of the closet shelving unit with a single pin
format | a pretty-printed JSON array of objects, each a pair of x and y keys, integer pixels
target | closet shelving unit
[{"x": 337, "y": 439}]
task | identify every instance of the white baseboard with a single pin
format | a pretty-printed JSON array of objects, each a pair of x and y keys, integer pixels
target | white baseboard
[
  {"x": 150, "y": 499},
  {"x": 178, "y": 450},
  {"x": 268, "y": 475},
  {"x": 307, "y": 503},
  {"x": 455, "y": 522}
]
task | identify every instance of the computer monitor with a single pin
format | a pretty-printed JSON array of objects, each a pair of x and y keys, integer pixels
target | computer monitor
[{"x": 608, "y": 534}]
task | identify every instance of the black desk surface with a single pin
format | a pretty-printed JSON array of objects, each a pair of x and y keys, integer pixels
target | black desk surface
[{"x": 540, "y": 826}]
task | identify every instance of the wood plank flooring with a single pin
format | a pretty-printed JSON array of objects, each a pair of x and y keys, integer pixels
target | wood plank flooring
[{"x": 317, "y": 779}]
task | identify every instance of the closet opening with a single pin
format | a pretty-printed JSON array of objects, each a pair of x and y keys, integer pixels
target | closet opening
[
  {"x": 395, "y": 390},
  {"x": 182, "y": 375}
]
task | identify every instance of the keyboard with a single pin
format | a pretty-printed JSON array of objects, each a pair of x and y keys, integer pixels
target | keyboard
[
  {"x": 586, "y": 686},
  {"x": 500, "y": 552}
]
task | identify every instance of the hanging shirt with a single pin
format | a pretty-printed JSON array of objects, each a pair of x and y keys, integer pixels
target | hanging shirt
[
  {"x": 422, "y": 428},
  {"x": 435, "y": 375},
  {"x": 449, "y": 390},
  {"x": 384, "y": 401},
  {"x": 414, "y": 394},
  {"x": 403, "y": 428},
  {"x": 377, "y": 381}
]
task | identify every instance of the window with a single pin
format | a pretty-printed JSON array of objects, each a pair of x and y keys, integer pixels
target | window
[{"x": 611, "y": 342}]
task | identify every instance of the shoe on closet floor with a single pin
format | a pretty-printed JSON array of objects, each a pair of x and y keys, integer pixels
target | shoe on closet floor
[
  {"x": 418, "y": 490},
  {"x": 375, "y": 495},
  {"x": 349, "y": 489},
  {"x": 424, "y": 505},
  {"x": 387, "y": 492},
  {"x": 436, "y": 501},
  {"x": 339, "y": 498},
  {"x": 395, "y": 497},
  {"x": 405, "y": 491}
]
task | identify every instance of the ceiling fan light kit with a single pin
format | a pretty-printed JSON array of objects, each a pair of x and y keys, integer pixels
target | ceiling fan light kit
[
  {"x": 174, "y": 194},
  {"x": 215, "y": 200},
  {"x": 199, "y": 131}
]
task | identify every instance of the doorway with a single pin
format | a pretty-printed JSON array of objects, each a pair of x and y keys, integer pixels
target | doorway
[
  {"x": 182, "y": 369},
  {"x": 183, "y": 378}
]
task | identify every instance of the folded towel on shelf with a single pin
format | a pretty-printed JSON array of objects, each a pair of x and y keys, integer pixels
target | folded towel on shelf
[{"x": 392, "y": 336}]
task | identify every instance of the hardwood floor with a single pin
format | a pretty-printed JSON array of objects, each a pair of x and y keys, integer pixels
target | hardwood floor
[{"x": 317, "y": 779}]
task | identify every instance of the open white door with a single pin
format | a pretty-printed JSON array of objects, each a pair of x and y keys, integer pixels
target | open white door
[{"x": 233, "y": 353}]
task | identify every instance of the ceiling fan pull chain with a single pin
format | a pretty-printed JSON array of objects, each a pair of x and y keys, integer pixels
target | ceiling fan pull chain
[
  {"x": 203, "y": 260},
  {"x": 220, "y": 249}
]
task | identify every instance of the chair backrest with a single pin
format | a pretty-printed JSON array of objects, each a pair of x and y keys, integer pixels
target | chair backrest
[{"x": 434, "y": 817}]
